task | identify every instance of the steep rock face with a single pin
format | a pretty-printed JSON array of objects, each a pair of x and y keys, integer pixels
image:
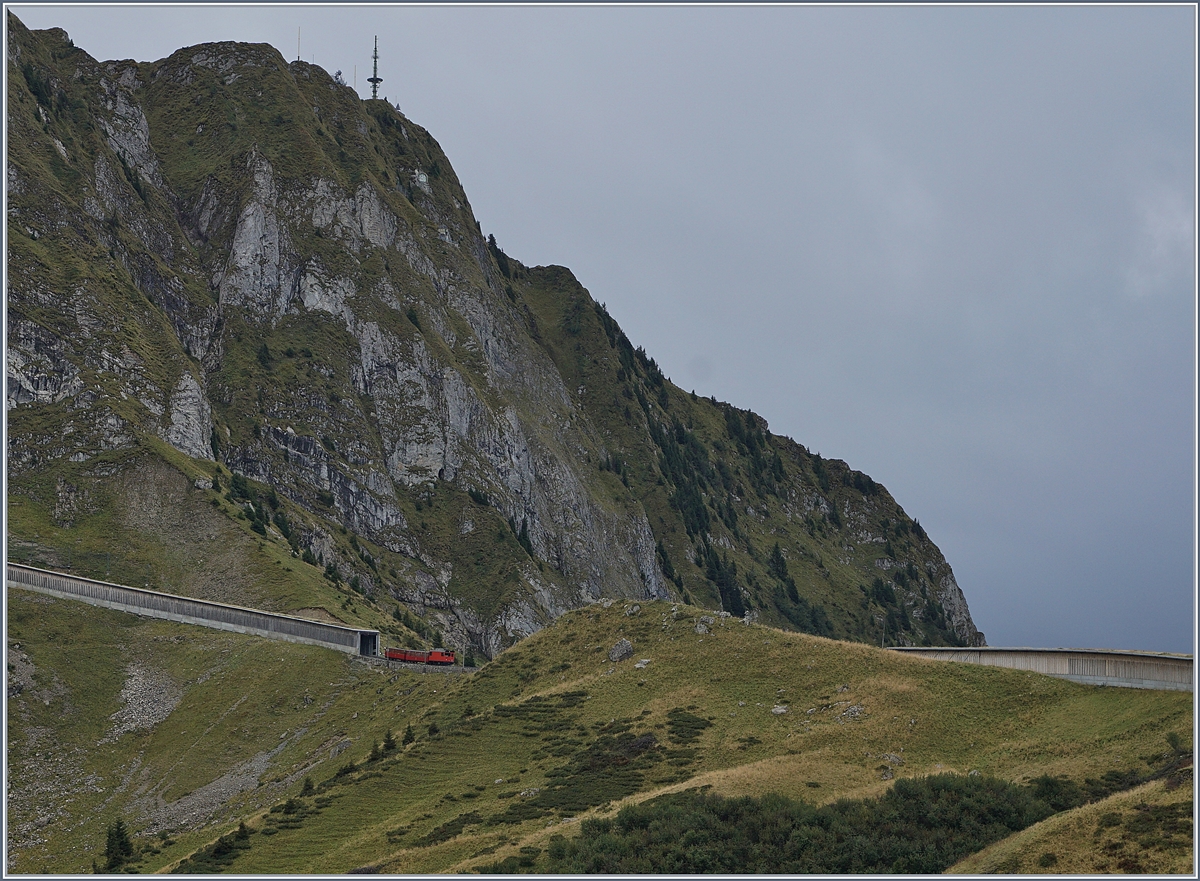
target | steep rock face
[
  {"x": 434, "y": 421},
  {"x": 239, "y": 256},
  {"x": 191, "y": 419},
  {"x": 255, "y": 275},
  {"x": 37, "y": 369},
  {"x": 957, "y": 613}
]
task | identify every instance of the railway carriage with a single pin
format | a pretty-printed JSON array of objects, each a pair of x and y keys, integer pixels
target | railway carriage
[{"x": 411, "y": 656}]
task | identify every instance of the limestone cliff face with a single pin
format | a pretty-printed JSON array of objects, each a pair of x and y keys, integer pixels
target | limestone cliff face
[{"x": 238, "y": 256}]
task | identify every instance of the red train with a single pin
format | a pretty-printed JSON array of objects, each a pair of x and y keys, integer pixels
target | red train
[{"x": 408, "y": 656}]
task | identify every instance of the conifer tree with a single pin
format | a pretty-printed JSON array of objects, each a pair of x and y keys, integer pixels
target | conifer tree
[{"x": 118, "y": 847}]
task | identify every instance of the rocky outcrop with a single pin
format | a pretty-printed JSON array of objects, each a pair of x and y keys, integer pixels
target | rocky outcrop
[
  {"x": 363, "y": 219},
  {"x": 255, "y": 273},
  {"x": 191, "y": 419},
  {"x": 955, "y": 604},
  {"x": 38, "y": 370},
  {"x": 124, "y": 124},
  {"x": 622, "y": 650}
]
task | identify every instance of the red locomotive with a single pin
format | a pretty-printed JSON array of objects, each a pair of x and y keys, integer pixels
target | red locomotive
[{"x": 408, "y": 656}]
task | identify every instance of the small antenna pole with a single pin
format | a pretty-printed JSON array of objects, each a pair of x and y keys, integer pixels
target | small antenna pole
[
  {"x": 375, "y": 79},
  {"x": 297, "y": 44}
]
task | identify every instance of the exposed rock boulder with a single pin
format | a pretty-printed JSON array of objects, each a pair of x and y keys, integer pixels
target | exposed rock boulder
[{"x": 622, "y": 650}]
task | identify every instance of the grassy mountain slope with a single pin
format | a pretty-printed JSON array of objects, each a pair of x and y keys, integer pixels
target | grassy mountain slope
[
  {"x": 549, "y": 732},
  {"x": 1145, "y": 831},
  {"x": 225, "y": 267}
]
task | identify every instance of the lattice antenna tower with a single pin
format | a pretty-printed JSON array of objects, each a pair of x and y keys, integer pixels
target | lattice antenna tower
[{"x": 375, "y": 79}]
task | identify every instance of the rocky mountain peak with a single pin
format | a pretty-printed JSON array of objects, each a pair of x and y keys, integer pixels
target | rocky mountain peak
[{"x": 234, "y": 266}]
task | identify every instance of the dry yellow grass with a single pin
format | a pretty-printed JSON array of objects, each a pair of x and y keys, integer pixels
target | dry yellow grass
[
  {"x": 936, "y": 717},
  {"x": 1097, "y": 838}
]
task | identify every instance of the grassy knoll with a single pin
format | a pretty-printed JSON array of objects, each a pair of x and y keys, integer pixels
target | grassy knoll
[
  {"x": 1147, "y": 830},
  {"x": 547, "y": 734}
]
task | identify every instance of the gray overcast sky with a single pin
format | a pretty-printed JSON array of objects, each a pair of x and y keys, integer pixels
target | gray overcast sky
[{"x": 953, "y": 246}]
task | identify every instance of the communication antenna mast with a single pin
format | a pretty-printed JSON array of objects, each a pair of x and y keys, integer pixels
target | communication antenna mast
[{"x": 375, "y": 79}]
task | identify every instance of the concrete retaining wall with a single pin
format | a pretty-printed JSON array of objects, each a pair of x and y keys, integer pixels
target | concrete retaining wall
[
  {"x": 192, "y": 611},
  {"x": 1090, "y": 666}
]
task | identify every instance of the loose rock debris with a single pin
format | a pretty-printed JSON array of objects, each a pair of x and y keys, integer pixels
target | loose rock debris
[{"x": 148, "y": 696}]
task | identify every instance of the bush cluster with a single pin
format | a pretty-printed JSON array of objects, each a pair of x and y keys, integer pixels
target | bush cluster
[
  {"x": 920, "y": 826},
  {"x": 216, "y": 856}
]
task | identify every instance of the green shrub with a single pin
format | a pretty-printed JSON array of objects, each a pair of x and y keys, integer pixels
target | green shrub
[
  {"x": 449, "y": 829},
  {"x": 919, "y": 826},
  {"x": 238, "y": 487},
  {"x": 217, "y": 856}
]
